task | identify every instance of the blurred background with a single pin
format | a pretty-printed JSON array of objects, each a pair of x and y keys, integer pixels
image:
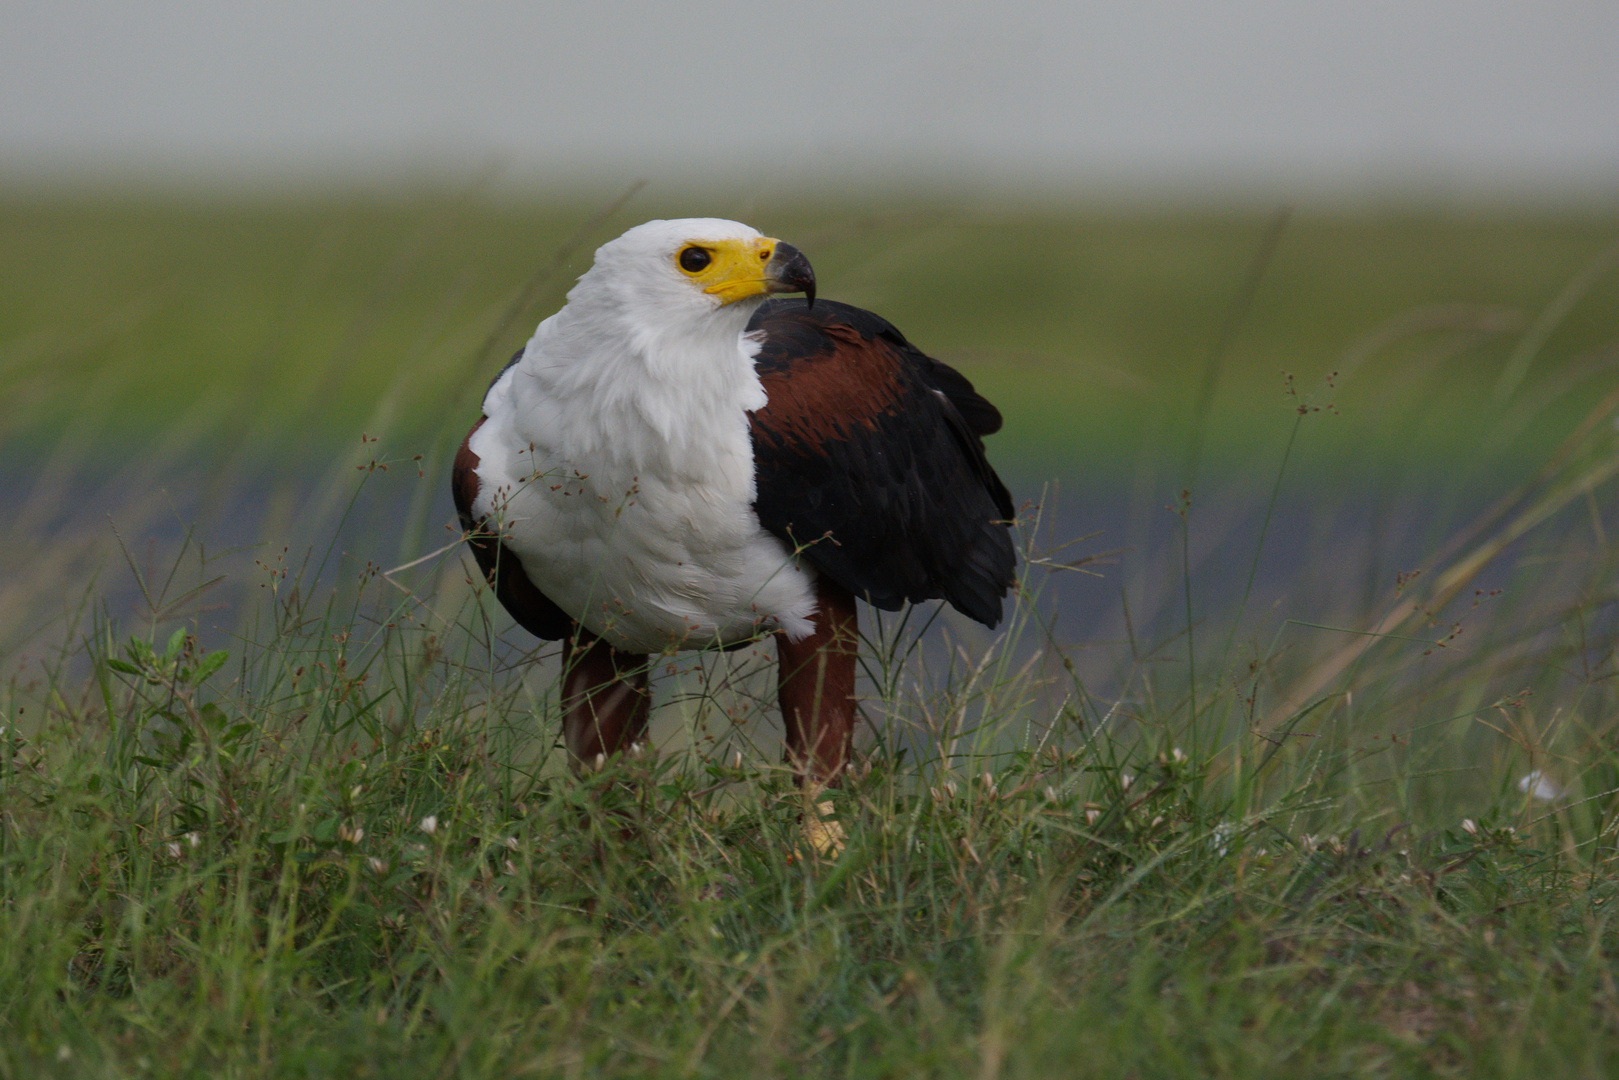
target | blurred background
[{"x": 1288, "y": 306}]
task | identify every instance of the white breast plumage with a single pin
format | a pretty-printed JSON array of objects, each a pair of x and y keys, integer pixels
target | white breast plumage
[{"x": 618, "y": 465}]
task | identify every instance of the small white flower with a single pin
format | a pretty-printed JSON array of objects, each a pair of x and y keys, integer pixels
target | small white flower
[
  {"x": 511, "y": 842},
  {"x": 601, "y": 762},
  {"x": 510, "y": 869},
  {"x": 1125, "y": 780},
  {"x": 193, "y": 839},
  {"x": 989, "y": 783},
  {"x": 1537, "y": 785},
  {"x": 1091, "y": 815},
  {"x": 736, "y": 760},
  {"x": 1469, "y": 826},
  {"x": 173, "y": 849},
  {"x": 1051, "y": 793},
  {"x": 950, "y": 788},
  {"x": 430, "y": 824},
  {"x": 377, "y": 865},
  {"x": 1178, "y": 754}
]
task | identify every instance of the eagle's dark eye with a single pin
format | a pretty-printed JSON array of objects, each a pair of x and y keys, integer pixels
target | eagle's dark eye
[{"x": 694, "y": 259}]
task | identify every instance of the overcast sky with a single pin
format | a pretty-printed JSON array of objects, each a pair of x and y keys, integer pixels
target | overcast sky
[{"x": 1468, "y": 96}]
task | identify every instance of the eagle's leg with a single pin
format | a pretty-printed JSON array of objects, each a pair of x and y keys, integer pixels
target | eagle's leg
[
  {"x": 605, "y": 699},
  {"x": 816, "y": 692}
]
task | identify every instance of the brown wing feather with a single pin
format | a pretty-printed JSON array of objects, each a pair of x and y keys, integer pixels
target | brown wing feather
[{"x": 868, "y": 458}]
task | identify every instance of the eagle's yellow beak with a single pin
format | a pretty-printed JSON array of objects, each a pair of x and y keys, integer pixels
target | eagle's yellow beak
[{"x": 763, "y": 265}]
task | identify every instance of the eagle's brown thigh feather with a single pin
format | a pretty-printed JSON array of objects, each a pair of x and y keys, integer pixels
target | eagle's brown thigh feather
[
  {"x": 605, "y": 698},
  {"x": 816, "y": 687}
]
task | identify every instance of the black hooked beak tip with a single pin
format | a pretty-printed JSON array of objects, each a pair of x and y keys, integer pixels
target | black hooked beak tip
[{"x": 789, "y": 271}]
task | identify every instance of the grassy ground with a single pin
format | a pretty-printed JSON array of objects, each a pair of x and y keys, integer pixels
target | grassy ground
[
  {"x": 344, "y": 845},
  {"x": 329, "y": 834}
]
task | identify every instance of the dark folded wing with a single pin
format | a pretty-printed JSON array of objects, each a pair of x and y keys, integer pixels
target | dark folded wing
[
  {"x": 533, "y": 610},
  {"x": 869, "y": 459}
]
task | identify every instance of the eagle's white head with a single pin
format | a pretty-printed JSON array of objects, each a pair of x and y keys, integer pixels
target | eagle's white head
[
  {"x": 689, "y": 277},
  {"x": 652, "y": 343}
]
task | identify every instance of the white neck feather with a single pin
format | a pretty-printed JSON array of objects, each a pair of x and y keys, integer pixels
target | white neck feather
[{"x": 603, "y": 383}]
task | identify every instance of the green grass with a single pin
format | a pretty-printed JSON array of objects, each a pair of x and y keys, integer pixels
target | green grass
[
  {"x": 1254, "y": 847},
  {"x": 221, "y": 864}
]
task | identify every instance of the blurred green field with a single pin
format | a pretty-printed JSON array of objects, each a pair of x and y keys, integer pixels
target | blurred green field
[{"x": 285, "y": 328}]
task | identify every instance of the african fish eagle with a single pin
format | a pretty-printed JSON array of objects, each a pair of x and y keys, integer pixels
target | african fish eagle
[{"x": 676, "y": 461}]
